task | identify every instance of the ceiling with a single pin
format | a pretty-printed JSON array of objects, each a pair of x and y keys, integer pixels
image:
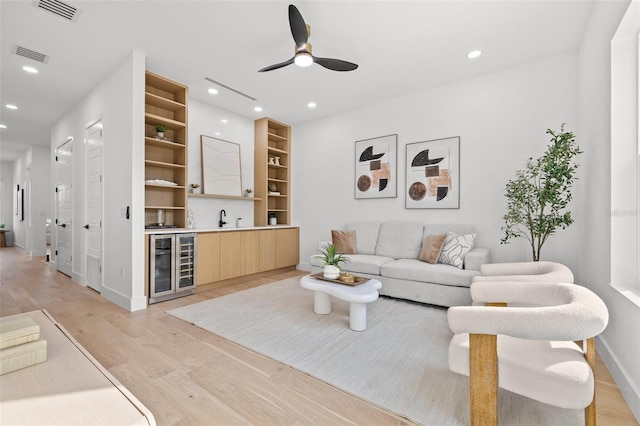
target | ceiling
[{"x": 401, "y": 47}]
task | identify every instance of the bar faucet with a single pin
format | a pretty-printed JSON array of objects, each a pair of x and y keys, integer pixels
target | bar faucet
[{"x": 222, "y": 222}]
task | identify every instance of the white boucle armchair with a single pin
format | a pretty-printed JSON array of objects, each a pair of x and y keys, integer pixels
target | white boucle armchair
[
  {"x": 525, "y": 271},
  {"x": 527, "y": 350}
]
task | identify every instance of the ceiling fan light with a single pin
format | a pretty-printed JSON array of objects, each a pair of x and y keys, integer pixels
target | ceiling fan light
[{"x": 303, "y": 59}]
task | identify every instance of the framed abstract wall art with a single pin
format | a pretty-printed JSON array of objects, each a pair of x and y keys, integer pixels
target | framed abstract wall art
[
  {"x": 433, "y": 174},
  {"x": 375, "y": 167},
  {"x": 221, "y": 170}
]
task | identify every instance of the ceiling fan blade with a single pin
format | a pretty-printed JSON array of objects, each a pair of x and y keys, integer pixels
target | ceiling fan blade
[
  {"x": 298, "y": 26},
  {"x": 276, "y": 66},
  {"x": 335, "y": 64}
]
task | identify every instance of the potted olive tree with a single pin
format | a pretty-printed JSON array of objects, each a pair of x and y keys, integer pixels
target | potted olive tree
[
  {"x": 538, "y": 196},
  {"x": 332, "y": 260}
]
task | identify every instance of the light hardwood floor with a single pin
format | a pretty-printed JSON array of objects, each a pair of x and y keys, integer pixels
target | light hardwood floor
[{"x": 186, "y": 375}]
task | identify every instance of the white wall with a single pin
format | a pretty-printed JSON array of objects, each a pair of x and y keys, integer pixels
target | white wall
[
  {"x": 119, "y": 102},
  {"x": 619, "y": 345},
  {"x": 32, "y": 172},
  {"x": 206, "y": 120},
  {"x": 501, "y": 119},
  {"x": 8, "y": 198},
  {"x": 20, "y": 177},
  {"x": 39, "y": 200}
]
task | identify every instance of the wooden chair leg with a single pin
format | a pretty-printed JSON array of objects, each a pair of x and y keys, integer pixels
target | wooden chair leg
[
  {"x": 590, "y": 355},
  {"x": 483, "y": 379}
]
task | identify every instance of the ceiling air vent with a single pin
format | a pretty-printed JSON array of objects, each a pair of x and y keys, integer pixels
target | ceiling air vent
[
  {"x": 28, "y": 53},
  {"x": 58, "y": 8},
  {"x": 230, "y": 88}
]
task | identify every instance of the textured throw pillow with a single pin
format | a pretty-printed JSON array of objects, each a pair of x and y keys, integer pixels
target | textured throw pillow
[
  {"x": 455, "y": 248},
  {"x": 345, "y": 241},
  {"x": 431, "y": 248}
]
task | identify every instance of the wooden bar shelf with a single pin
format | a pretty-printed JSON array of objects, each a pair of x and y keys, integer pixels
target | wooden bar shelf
[
  {"x": 166, "y": 104},
  {"x": 272, "y": 139}
]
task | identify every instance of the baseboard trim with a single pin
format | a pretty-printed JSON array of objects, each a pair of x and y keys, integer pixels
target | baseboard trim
[
  {"x": 630, "y": 394},
  {"x": 117, "y": 298}
]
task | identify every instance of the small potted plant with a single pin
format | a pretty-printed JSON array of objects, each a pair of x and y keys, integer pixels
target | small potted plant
[
  {"x": 273, "y": 218},
  {"x": 248, "y": 192},
  {"x": 194, "y": 188},
  {"x": 332, "y": 260},
  {"x": 160, "y": 130}
]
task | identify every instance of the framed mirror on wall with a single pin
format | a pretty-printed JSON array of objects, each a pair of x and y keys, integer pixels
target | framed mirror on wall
[{"x": 220, "y": 167}]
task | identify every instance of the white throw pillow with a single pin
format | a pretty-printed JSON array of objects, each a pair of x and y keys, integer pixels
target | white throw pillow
[{"x": 455, "y": 248}]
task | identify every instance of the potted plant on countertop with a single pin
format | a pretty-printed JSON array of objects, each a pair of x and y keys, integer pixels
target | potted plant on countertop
[
  {"x": 332, "y": 260},
  {"x": 538, "y": 196},
  {"x": 160, "y": 130},
  {"x": 194, "y": 188},
  {"x": 248, "y": 192}
]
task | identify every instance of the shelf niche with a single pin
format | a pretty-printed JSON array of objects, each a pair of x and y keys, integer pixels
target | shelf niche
[
  {"x": 165, "y": 158},
  {"x": 272, "y": 139}
]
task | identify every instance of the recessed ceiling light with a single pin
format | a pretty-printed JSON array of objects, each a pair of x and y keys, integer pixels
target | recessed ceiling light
[
  {"x": 474, "y": 54},
  {"x": 224, "y": 120},
  {"x": 29, "y": 69},
  {"x": 11, "y": 106},
  {"x": 2, "y": 126},
  {"x": 213, "y": 91},
  {"x": 217, "y": 133},
  {"x": 258, "y": 109},
  {"x": 311, "y": 104}
]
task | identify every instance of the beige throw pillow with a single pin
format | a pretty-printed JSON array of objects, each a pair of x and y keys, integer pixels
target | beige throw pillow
[
  {"x": 431, "y": 248},
  {"x": 345, "y": 241}
]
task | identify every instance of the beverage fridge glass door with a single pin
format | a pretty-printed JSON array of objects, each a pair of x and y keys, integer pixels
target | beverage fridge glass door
[
  {"x": 162, "y": 261},
  {"x": 186, "y": 261}
]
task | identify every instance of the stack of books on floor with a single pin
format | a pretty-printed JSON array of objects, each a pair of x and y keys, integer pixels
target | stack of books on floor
[{"x": 20, "y": 344}]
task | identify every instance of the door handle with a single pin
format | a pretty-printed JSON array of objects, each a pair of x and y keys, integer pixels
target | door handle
[
  {"x": 86, "y": 226},
  {"x": 64, "y": 225}
]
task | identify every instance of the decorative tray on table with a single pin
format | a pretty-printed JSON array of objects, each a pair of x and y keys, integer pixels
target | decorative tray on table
[{"x": 342, "y": 280}]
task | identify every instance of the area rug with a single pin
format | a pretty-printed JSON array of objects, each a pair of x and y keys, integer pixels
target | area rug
[{"x": 399, "y": 362}]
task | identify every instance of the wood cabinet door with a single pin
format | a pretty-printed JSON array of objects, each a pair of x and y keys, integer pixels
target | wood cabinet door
[
  {"x": 230, "y": 255},
  {"x": 250, "y": 246},
  {"x": 266, "y": 253},
  {"x": 287, "y": 247},
  {"x": 208, "y": 258}
]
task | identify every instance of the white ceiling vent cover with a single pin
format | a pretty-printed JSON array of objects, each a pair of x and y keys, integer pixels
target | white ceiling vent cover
[
  {"x": 28, "y": 53},
  {"x": 61, "y": 9}
]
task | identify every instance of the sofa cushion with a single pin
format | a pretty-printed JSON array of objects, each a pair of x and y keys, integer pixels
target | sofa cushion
[
  {"x": 365, "y": 264},
  {"x": 366, "y": 235},
  {"x": 455, "y": 248},
  {"x": 415, "y": 270},
  {"x": 358, "y": 263},
  {"x": 431, "y": 248},
  {"x": 345, "y": 241},
  {"x": 400, "y": 240}
]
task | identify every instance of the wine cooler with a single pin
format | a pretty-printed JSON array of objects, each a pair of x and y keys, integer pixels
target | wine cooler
[{"x": 172, "y": 266}]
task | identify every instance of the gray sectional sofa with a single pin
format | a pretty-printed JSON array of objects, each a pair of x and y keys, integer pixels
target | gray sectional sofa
[{"x": 388, "y": 252}]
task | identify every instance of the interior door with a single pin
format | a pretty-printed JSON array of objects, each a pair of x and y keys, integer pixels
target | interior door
[
  {"x": 64, "y": 205},
  {"x": 93, "y": 227}
]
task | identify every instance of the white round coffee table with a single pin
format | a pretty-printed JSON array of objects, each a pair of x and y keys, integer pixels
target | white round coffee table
[{"x": 358, "y": 296}]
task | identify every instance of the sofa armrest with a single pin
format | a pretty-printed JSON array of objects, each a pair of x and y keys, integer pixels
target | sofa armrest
[{"x": 476, "y": 257}]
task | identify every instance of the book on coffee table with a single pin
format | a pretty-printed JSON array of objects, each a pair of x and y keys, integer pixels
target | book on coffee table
[
  {"x": 22, "y": 356},
  {"x": 18, "y": 331}
]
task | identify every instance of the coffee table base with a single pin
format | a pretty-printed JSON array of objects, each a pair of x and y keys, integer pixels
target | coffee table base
[{"x": 358, "y": 297}]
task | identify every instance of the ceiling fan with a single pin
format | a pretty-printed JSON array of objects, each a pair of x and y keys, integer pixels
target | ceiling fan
[{"x": 303, "y": 57}]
